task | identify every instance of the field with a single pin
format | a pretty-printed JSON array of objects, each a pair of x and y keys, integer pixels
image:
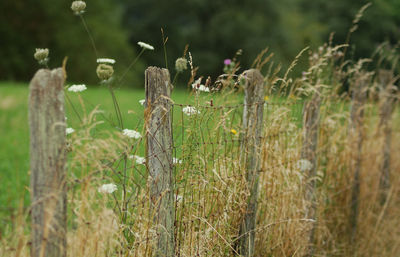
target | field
[{"x": 14, "y": 151}]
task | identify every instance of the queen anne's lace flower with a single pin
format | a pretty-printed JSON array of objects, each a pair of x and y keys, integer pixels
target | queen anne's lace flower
[
  {"x": 138, "y": 159},
  {"x": 69, "y": 131},
  {"x": 200, "y": 87},
  {"x": 180, "y": 64},
  {"x": 131, "y": 133},
  {"x": 190, "y": 110},
  {"x": 105, "y": 60},
  {"x": 304, "y": 165},
  {"x": 145, "y": 46},
  {"x": 176, "y": 161},
  {"x": 78, "y": 7},
  {"x": 107, "y": 188},
  {"x": 77, "y": 88}
]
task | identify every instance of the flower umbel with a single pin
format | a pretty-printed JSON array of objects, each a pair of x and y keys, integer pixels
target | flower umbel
[
  {"x": 41, "y": 55},
  {"x": 105, "y": 60},
  {"x": 131, "y": 133},
  {"x": 69, "y": 131},
  {"x": 304, "y": 165},
  {"x": 200, "y": 87},
  {"x": 145, "y": 46},
  {"x": 77, "y": 88},
  {"x": 78, "y": 7},
  {"x": 138, "y": 159},
  {"x": 104, "y": 71},
  {"x": 107, "y": 188},
  {"x": 180, "y": 64},
  {"x": 189, "y": 110}
]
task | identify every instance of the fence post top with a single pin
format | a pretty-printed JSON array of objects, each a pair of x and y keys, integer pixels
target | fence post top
[
  {"x": 42, "y": 76},
  {"x": 156, "y": 69}
]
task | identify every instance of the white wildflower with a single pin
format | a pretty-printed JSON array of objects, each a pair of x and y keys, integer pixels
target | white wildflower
[
  {"x": 145, "y": 46},
  {"x": 176, "y": 160},
  {"x": 78, "y": 7},
  {"x": 189, "y": 110},
  {"x": 142, "y": 101},
  {"x": 304, "y": 165},
  {"x": 179, "y": 198},
  {"x": 69, "y": 131},
  {"x": 200, "y": 87},
  {"x": 138, "y": 159},
  {"x": 107, "y": 188},
  {"x": 77, "y": 88},
  {"x": 105, "y": 60},
  {"x": 131, "y": 133}
]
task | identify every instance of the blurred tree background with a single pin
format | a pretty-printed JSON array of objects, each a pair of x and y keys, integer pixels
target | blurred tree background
[{"x": 214, "y": 30}]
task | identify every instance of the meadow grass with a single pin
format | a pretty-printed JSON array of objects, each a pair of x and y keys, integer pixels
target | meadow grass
[{"x": 14, "y": 150}]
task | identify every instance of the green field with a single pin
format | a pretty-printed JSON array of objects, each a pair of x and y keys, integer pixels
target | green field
[{"x": 14, "y": 142}]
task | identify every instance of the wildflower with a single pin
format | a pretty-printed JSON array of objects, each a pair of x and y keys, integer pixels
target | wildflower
[
  {"x": 41, "y": 55},
  {"x": 200, "y": 87},
  {"x": 304, "y": 165},
  {"x": 78, "y": 7},
  {"x": 176, "y": 161},
  {"x": 131, "y": 133},
  {"x": 180, "y": 64},
  {"x": 233, "y": 131},
  {"x": 138, "y": 159},
  {"x": 189, "y": 110},
  {"x": 69, "y": 131},
  {"x": 107, "y": 188},
  {"x": 227, "y": 61},
  {"x": 77, "y": 88},
  {"x": 145, "y": 46},
  {"x": 104, "y": 71},
  {"x": 266, "y": 98},
  {"x": 142, "y": 101},
  {"x": 179, "y": 198},
  {"x": 105, "y": 60}
]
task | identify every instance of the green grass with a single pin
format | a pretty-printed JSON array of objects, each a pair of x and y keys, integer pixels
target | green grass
[{"x": 14, "y": 131}]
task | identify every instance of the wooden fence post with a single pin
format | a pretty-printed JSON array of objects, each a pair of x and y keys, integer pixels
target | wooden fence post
[
  {"x": 356, "y": 137},
  {"x": 387, "y": 102},
  {"x": 308, "y": 155},
  {"x": 47, "y": 161},
  {"x": 251, "y": 154},
  {"x": 159, "y": 157}
]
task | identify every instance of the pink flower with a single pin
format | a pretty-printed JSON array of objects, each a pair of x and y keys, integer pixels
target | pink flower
[{"x": 227, "y": 61}]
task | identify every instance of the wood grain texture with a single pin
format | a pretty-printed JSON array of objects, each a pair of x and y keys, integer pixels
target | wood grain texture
[
  {"x": 47, "y": 163},
  {"x": 356, "y": 138},
  {"x": 159, "y": 157},
  {"x": 251, "y": 154},
  {"x": 386, "y": 107},
  {"x": 311, "y": 120}
]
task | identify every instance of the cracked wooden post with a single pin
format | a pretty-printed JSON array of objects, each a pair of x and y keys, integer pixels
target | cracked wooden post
[
  {"x": 356, "y": 138},
  {"x": 308, "y": 155},
  {"x": 159, "y": 157},
  {"x": 47, "y": 163},
  {"x": 387, "y": 101},
  {"x": 251, "y": 154}
]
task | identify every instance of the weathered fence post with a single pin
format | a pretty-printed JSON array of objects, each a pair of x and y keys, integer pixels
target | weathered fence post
[
  {"x": 251, "y": 154},
  {"x": 356, "y": 137},
  {"x": 159, "y": 157},
  {"x": 308, "y": 155},
  {"x": 47, "y": 161},
  {"x": 387, "y": 102}
]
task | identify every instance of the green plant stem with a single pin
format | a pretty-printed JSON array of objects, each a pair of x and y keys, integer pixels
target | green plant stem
[
  {"x": 73, "y": 108},
  {"x": 130, "y": 66},
  {"x": 90, "y": 36}
]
